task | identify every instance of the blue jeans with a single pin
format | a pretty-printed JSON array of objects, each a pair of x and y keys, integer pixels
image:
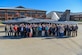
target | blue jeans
[{"x": 61, "y": 35}]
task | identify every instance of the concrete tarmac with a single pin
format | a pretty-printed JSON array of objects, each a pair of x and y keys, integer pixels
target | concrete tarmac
[{"x": 41, "y": 46}]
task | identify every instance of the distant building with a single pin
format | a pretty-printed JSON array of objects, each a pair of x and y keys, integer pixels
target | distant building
[
  {"x": 8, "y": 13},
  {"x": 64, "y": 16},
  {"x": 76, "y": 16}
]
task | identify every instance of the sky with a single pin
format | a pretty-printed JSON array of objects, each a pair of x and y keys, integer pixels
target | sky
[{"x": 48, "y": 5}]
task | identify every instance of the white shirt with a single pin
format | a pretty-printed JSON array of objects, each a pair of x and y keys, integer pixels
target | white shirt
[{"x": 21, "y": 28}]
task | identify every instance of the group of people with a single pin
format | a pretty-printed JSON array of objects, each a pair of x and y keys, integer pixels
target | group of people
[{"x": 41, "y": 30}]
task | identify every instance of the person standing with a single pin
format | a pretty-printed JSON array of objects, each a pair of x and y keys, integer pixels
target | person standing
[
  {"x": 39, "y": 30},
  {"x": 55, "y": 30},
  {"x": 18, "y": 31},
  {"x": 31, "y": 32},
  {"x": 65, "y": 26},
  {"x": 36, "y": 28},
  {"x": 27, "y": 30},
  {"x": 33, "y": 28},
  {"x": 22, "y": 30},
  {"x": 7, "y": 30},
  {"x": 46, "y": 30},
  {"x": 15, "y": 30},
  {"x": 50, "y": 30},
  {"x": 11, "y": 30},
  {"x": 68, "y": 31},
  {"x": 58, "y": 28},
  {"x": 43, "y": 30},
  {"x": 73, "y": 31},
  {"x": 61, "y": 31},
  {"x": 76, "y": 29}
]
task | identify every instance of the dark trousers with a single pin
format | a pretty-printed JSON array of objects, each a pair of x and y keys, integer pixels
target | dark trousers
[
  {"x": 18, "y": 33},
  {"x": 50, "y": 33},
  {"x": 11, "y": 33},
  {"x": 34, "y": 33},
  {"x": 8, "y": 33},
  {"x": 68, "y": 33},
  {"x": 76, "y": 32},
  {"x": 22, "y": 34},
  {"x": 40, "y": 33},
  {"x": 15, "y": 33},
  {"x": 46, "y": 33},
  {"x": 65, "y": 32},
  {"x": 57, "y": 33},
  {"x": 61, "y": 35},
  {"x": 27, "y": 34}
]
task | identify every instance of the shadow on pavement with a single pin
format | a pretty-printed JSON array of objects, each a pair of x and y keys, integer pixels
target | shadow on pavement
[
  {"x": 56, "y": 37},
  {"x": 43, "y": 38},
  {"x": 9, "y": 37}
]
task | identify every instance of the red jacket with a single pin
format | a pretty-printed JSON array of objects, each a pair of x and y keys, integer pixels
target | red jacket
[{"x": 15, "y": 28}]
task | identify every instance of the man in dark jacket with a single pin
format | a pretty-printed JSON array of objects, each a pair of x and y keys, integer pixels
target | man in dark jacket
[
  {"x": 22, "y": 30},
  {"x": 76, "y": 29},
  {"x": 11, "y": 30}
]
